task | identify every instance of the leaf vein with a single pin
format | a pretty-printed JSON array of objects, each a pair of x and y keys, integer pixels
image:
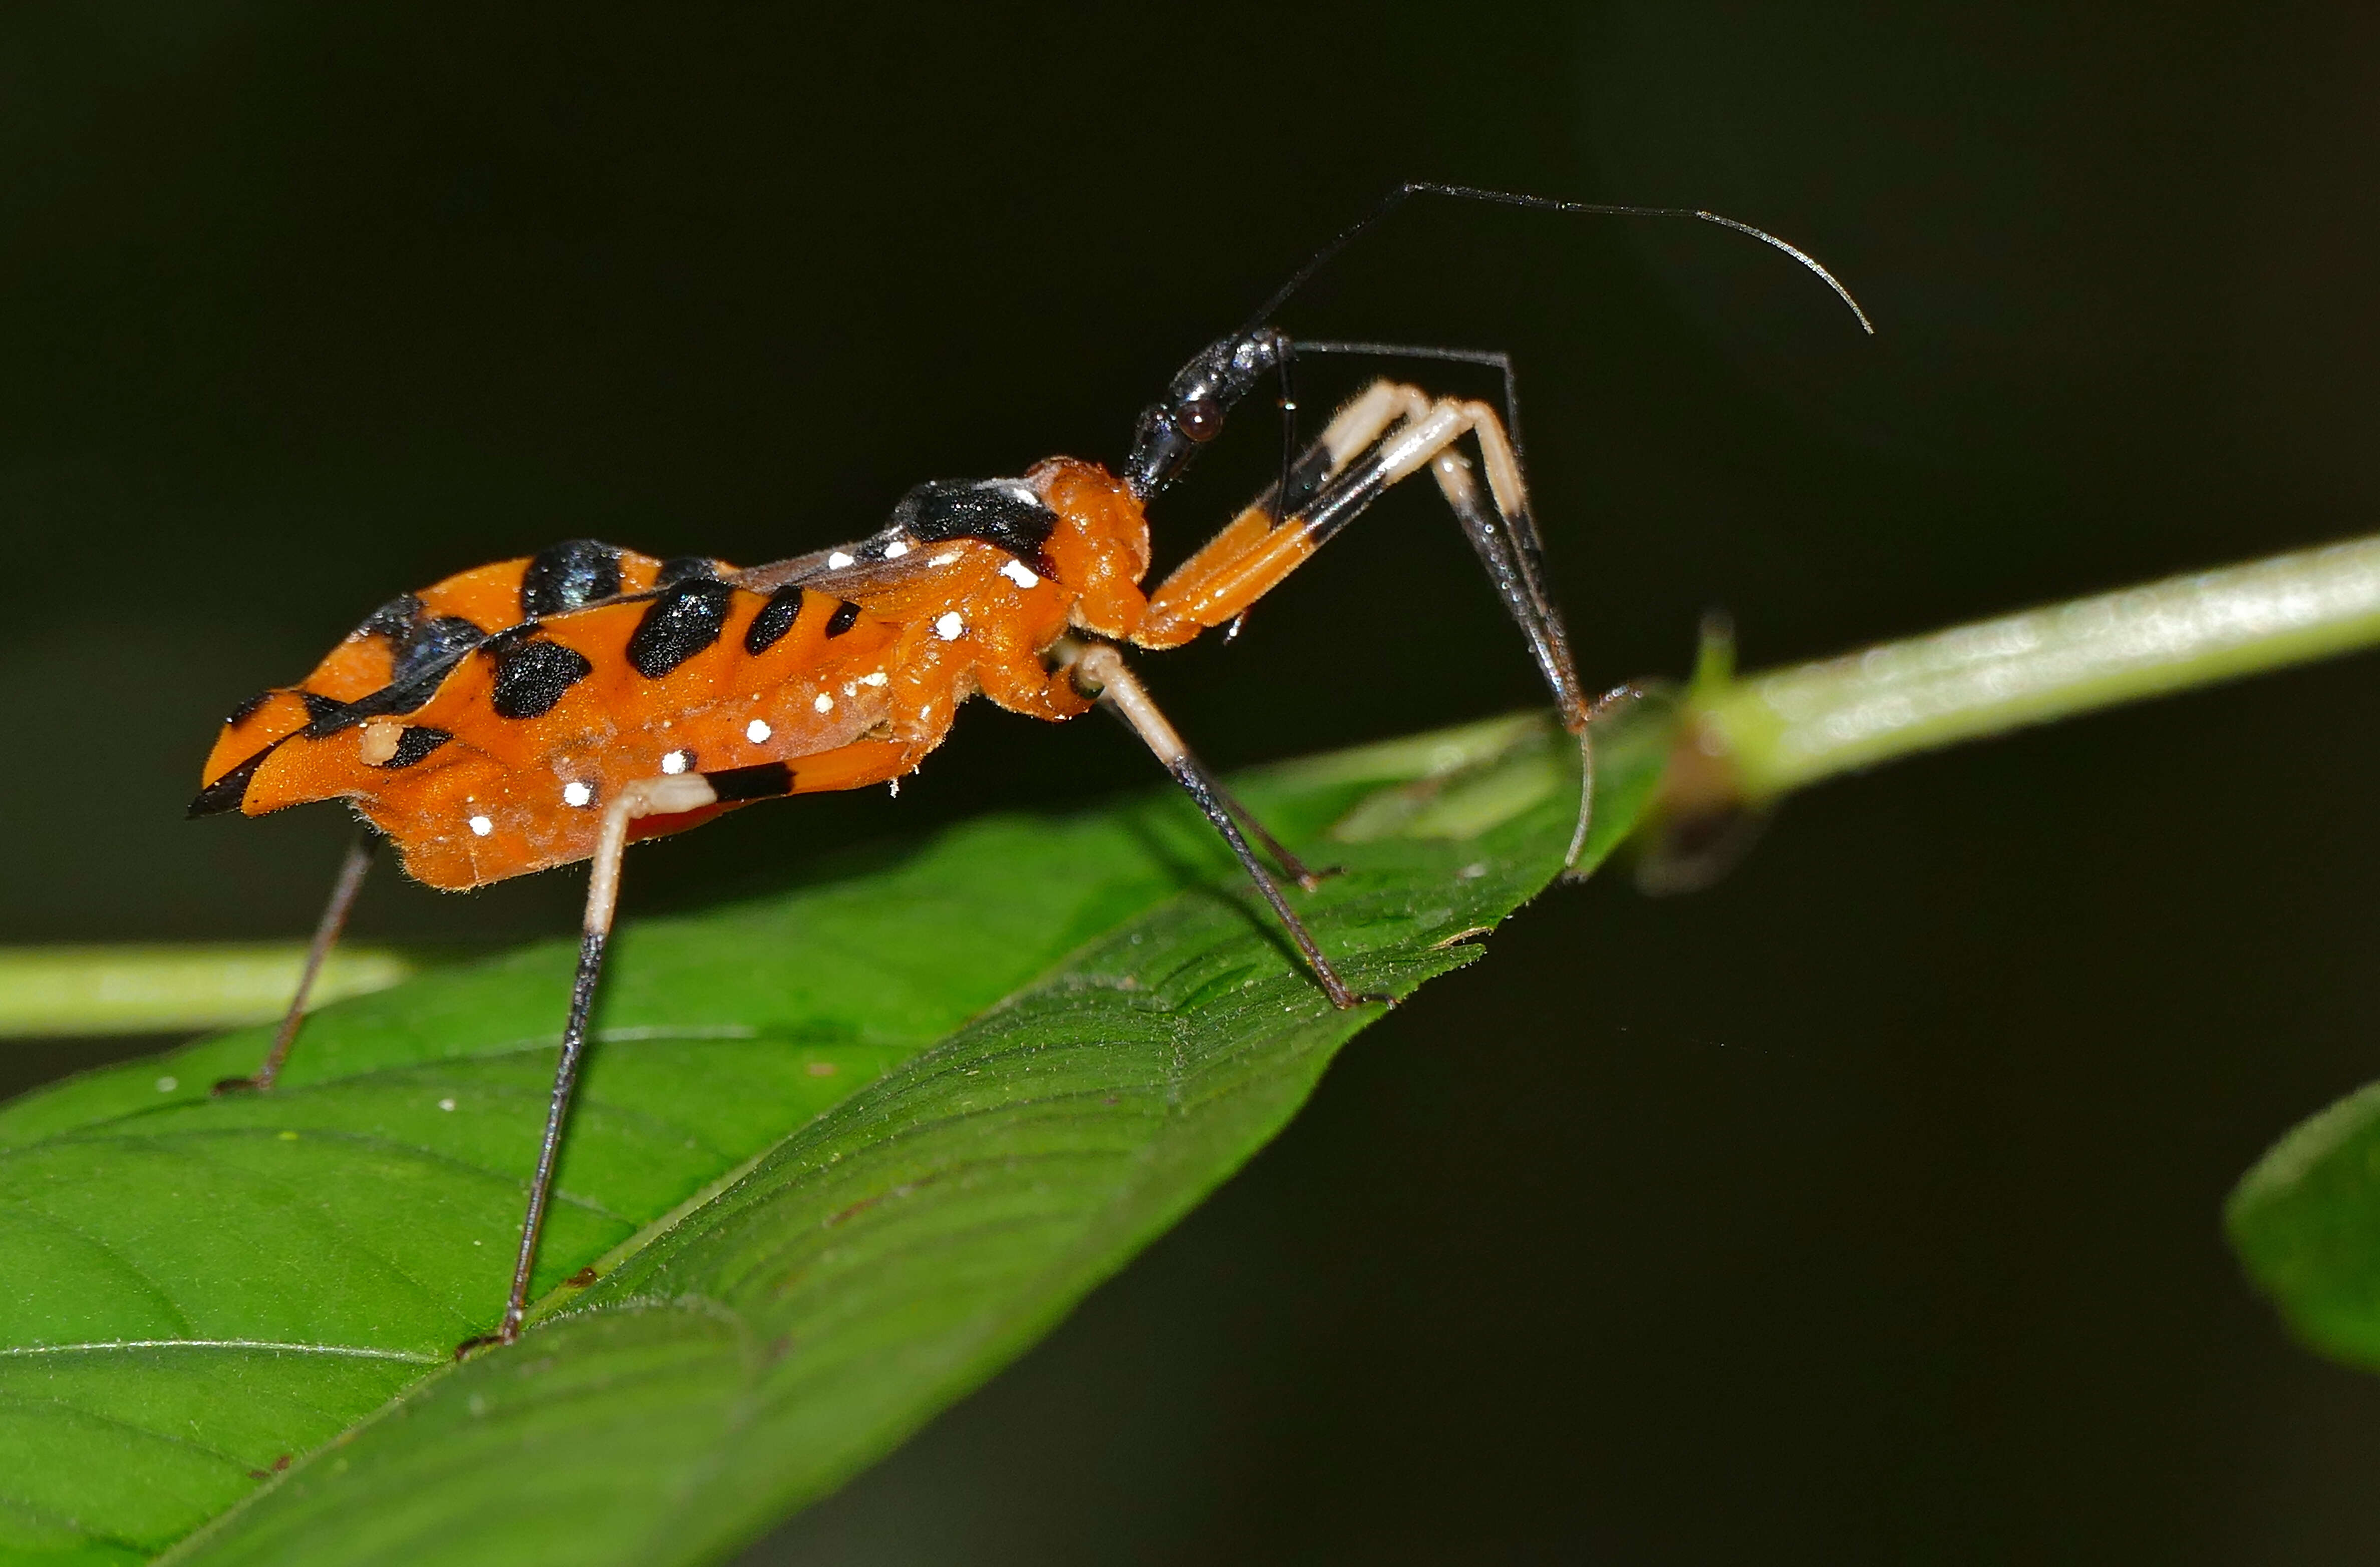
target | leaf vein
[{"x": 109, "y": 1250}]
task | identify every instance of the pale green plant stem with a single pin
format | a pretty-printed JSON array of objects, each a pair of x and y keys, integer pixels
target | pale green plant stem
[
  {"x": 161, "y": 989},
  {"x": 1786, "y": 729},
  {"x": 1742, "y": 741}
]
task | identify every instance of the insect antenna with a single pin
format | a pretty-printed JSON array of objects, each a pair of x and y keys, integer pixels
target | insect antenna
[
  {"x": 1398, "y": 195},
  {"x": 1288, "y": 436},
  {"x": 1291, "y": 348}
]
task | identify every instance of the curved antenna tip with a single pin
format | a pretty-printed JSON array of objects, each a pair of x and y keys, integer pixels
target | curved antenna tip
[
  {"x": 1818, "y": 268},
  {"x": 1397, "y": 196}
]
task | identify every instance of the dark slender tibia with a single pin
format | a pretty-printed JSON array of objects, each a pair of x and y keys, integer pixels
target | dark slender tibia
[
  {"x": 1290, "y": 866},
  {"x": 1212, "y": 801},
  {"x": 557, "y": 1115},
  {"x": 1507, "y": 548},
  {"x": 1099, "y": 670},
  {"x": 326, "y": 935}
]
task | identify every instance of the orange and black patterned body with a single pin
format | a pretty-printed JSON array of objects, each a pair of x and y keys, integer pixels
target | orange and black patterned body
[
  {"x": 548, "y": 709},
  {"x": 482, "y": 724}
]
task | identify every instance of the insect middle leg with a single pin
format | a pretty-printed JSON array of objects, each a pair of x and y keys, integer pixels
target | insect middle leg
[
  {"x": 1290, "y": 864},
  {"x": 1100, "y": 670}
]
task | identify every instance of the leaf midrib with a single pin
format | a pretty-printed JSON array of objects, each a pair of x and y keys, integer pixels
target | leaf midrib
[{"x": 276, "y": 1346}]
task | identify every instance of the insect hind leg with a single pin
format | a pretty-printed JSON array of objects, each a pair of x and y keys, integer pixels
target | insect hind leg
[
  {"x": 652, "y": 797},
  {"x": 344, "y": 891}
]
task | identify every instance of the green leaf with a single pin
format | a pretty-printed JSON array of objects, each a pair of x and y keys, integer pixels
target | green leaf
[
  {"x": 2306, "y": 1223},
  {"x": 839, "y": 1156}
]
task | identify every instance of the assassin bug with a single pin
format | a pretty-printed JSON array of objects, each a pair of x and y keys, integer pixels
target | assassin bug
[{"x": 555, "y": 708}]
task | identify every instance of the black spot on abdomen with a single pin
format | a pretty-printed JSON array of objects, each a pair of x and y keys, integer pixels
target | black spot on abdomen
[
  {"x": 567, "y": 576},
  {"x": 681, "y": 621},
  {"x": 776, "y": 619},
  {"x": 418, "y": 643},
  {"x": 530, "y": 676},
  {"x": 418, "y": 741},
  {"x": 847, "y": 615},
  {"x": 765, "y": 781},
  {"x": 225, "y": 793}
]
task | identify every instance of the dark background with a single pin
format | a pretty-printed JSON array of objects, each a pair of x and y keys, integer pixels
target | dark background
[{"x": 1863, "y": 1208}]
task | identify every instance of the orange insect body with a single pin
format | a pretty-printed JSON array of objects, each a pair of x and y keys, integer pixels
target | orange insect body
[{"x": 845, "y": 667}]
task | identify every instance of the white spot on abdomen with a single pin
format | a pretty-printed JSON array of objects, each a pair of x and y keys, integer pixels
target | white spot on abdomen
[
  {"x": 838, "y": 560},
  {"x": 675, "y": 763},
  {"x": 578, "y": 793},
  {"x": 875, "y": 679},
  {"x": 1022, "y": 574},
  {"x": 896, "y": 549},
  {"x": 483, "y": 826},
  {"x": 758, "y": 732},
  {"x": 950, "y": 627},
  {"x": 824, "y": 703}
]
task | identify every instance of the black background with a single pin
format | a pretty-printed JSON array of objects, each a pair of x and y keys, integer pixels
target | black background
[{"x": 1863, "y": 1209}]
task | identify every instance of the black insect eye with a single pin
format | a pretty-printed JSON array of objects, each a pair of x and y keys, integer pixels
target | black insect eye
[{"x": 1200, "y": 419}]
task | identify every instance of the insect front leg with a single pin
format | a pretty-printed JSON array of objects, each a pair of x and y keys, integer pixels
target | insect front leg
[
  {"x": 344, "y": 890},
  {"x": 1408, "y": 432},
  {"x": 1506, "y": 542},
  {"x": 1252, "y": 554}
]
